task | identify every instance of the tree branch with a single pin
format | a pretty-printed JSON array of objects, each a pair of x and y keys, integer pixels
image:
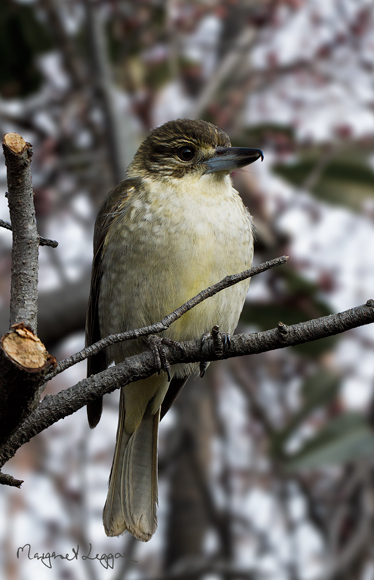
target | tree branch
[
  {"x": 56, "y": 407},
  {"x": 168, "y": 319},
  {"x": 6, "y": 479},
  {"x": 42, "y": 241},
  {"x": 72, "y": 63},
  {"x": 229, "y": 63},
  {"x": 24, "y": 286},
  {"x": 118, "y": 124},
  {"x": 24, "y": 361}
]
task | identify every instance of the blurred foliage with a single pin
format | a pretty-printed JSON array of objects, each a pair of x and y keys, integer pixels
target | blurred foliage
[
  {"x": 346, "y": 438},
  {"x": 131, "y": 35},
  {"x": 22, "y": 38},
  {"x": 318, "y": 390},
  {"x": 275, "y": 133},
  {"x": 346, "y": 180},
  {"x": 134, "y": 29},
  {"x": 297, "y": 301}
]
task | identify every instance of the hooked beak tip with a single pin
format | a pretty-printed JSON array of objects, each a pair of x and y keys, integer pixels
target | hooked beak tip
[{"x": 231, "y": 158}]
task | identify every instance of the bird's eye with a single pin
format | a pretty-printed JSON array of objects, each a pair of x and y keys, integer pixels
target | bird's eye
[{"x": 186, "y": 153}]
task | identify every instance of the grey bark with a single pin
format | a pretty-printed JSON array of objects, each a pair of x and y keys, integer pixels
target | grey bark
[
  {"x": 25, "y": 250},
  {"x": 56, "y": 407}
]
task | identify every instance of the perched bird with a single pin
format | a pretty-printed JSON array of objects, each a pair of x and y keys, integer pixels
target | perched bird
[{"x": 173, "y": 227}]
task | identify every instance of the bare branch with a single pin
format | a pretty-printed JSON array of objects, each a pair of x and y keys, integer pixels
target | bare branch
[
  {"x": 42, "y": 241},
  {"x": 361, "y": 539},
  {"x": 229, "y": 63},
  {"x": 5, "y": 225},
  {"x": 117, "y": 123},
  {"x": 72, "y": 63},
  {"x": 169, "y": 319},
  {"x": 24, "y": 285},
  {"x": 6, "y": 479},
  {"x": 24, "y": 361},
  {"x": 56, "y": 407},
  {"x": 47, "y": 242}
]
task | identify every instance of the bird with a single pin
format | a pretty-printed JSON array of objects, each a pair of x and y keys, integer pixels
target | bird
[{"x": 174, "y": 226}]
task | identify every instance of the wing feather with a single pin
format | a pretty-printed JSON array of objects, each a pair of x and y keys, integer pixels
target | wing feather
[{"x": 111, "y": 210}]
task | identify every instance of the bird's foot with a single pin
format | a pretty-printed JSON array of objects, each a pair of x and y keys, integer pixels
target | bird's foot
[
  {"x": 221, "y": 341},
  {"x": 156, "y": 344}
]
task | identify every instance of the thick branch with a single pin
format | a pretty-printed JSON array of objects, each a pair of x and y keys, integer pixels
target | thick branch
[
  {"x": 56, "y": 407},
  {"x": 24, "y": 361},
  {"x": 24, "y": 284}
]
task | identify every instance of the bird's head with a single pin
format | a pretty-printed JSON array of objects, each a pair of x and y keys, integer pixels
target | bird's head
[{"x": 186, "y": 147}]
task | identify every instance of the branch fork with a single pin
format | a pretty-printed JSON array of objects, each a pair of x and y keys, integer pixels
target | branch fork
[{"x": 24, "y": 361}]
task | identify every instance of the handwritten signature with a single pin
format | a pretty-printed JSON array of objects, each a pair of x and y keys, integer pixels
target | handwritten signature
[{"x": 106, "y": 560}]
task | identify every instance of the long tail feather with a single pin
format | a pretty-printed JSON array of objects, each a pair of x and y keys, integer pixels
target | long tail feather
[
  {"x": 113, "y": 520},
  {"x": 133, "y": 491},
  {"x": 140, "y": 488}
]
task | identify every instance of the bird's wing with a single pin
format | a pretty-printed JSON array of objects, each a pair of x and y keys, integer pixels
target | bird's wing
[{"x": 111, "y": 209}]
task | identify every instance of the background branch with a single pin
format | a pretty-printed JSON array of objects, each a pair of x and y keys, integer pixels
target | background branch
[
  {"x": 119, "y": 128},
  {"x": 229, "y": 63}
]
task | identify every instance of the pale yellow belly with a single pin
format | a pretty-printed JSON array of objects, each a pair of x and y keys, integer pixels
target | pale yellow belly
[{"x": 165, "y": 260}]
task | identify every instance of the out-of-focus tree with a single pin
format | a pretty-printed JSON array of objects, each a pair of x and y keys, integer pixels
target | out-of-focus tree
[{"x": 265, "y": 464}]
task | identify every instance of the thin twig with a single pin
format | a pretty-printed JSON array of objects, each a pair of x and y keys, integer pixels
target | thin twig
[
  {"x": 229, "y": 64},
  {"x": 360, "y": 541},
  {"x": 6, "y": 479},
  {"x": 42, "y": 241},
  {"x": 168, "y": 320},
  {"x": 47, "y": 242},
  {"x": 313, "y": 177}
]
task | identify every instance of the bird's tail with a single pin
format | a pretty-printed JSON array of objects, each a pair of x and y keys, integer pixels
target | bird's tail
[{"x": 132, "y": 496}]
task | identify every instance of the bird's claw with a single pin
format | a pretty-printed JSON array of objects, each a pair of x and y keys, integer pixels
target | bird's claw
[
  {"x": 221, "y": 342},
  {"x": 156, "y": 344}
]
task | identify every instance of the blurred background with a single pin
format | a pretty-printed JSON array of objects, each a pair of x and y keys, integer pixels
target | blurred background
[{"x": 266, "y": 465}]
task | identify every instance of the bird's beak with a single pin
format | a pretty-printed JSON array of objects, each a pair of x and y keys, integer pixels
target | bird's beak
[{"x": 231, "y": 158}]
